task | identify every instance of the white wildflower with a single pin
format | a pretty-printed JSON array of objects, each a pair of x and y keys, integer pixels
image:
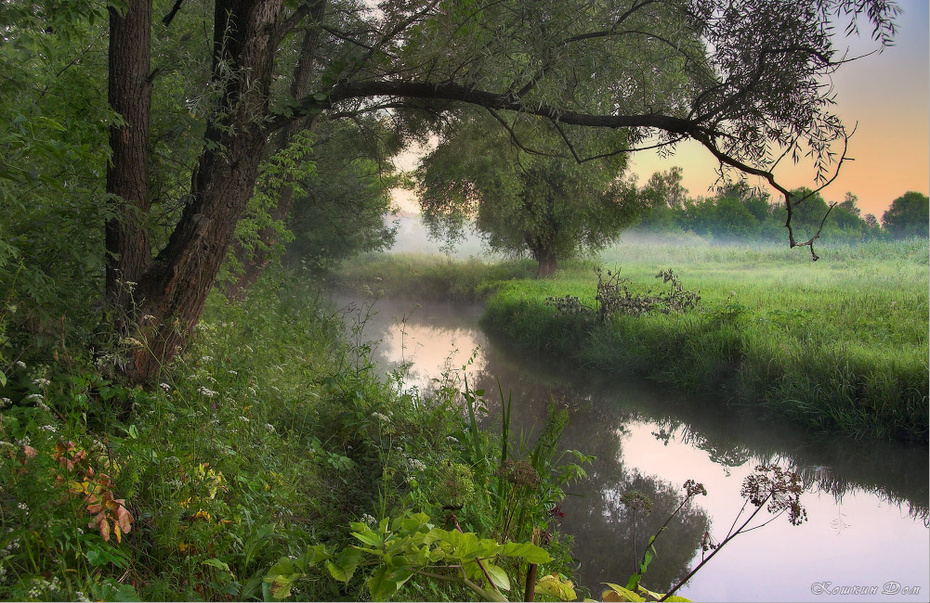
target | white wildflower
[
  {"x": 49, "y": 428},
  {"x": 452, "y": 440},
  {"x": 415, "y": 464},
  {"x": 244, "y": 419},
  {"x": 270, "y": 427},
  {"x": 203, "y": 390},
  {"x": 232, "y": 372},
  {"x": 207, "y": 359},
  {"x": 34, "y": 398},
  {"x": 41, "y": 382},
  {"x": 366, "y": 518},
  {"x": 24, "y": 507},
  {"x": 381, "y": 417},
  {"x": 166, "y": 387},
  {"x": 5, "y": 402},
  {"x": 81, "y": 597},
  {"x": 20, "y": 364}
]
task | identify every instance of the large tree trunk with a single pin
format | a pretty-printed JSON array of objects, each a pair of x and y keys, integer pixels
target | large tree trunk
[
  {"x": 129, "y": 92},
  {"x": 171, "y": 293},
  {"x": 548, "y": 264}
]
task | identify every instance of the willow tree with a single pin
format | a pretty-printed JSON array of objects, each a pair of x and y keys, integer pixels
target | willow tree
[
  {"x": 744, "y": 79},
  {"x": 522, "y": 199}
]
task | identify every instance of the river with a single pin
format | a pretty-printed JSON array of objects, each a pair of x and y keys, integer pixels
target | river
[{"x": 867, "y": 503}]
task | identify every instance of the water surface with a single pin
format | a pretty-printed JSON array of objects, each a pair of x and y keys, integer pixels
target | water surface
[{"x": 867, "y": 503}]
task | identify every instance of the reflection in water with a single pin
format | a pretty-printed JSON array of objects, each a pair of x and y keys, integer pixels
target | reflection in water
[{"x": 868, "y": 504}]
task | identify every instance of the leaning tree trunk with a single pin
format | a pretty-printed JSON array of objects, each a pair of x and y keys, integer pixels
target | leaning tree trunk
[
  {"x": 171, "y": 293},
  {"x": 129, "y": 92}
]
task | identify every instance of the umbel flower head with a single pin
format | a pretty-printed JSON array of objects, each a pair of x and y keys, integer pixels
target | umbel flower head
[{"x": 778, "y": 487}]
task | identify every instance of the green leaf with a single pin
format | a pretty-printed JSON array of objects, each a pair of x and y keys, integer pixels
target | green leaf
[
  {"x": 386, "y": 581},
  {"x": 619, "y": 593},
  {"x": 369, "y": 537},
  {"x": 217, "y": 564},
  {"x": 343, "y": 567},
  {"x": 556, "y": 586},
  {"x": 498, "y": 575},
  {"x": 530, "y": 552}
]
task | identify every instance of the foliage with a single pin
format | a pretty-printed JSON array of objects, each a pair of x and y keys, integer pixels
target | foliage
[
  {"x": 908, "y": 216},
  {"x": 615, "y": 297},
  {"x": 535, "y": 202},
  {"x": 406, "y": 546},
  {"x": 342, "y": 211},
  {"x": 268, "y": 437}
]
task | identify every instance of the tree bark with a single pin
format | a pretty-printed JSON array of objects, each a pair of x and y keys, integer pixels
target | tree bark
[
  {"x": 129, "y": 92},
  {"x": 548, "y": 264},
  {"x": 173, "y": 290},
  {"x": 254, "y": 263}
]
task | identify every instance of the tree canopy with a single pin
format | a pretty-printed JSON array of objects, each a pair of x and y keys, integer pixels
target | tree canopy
[
  {"x": 537, "y": 202},
  {"x": 908, "y": 216},
  {"x": 194, "y": 104}
]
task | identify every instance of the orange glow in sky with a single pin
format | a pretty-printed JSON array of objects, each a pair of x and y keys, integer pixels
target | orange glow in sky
[{"x": 888, "y": 94}]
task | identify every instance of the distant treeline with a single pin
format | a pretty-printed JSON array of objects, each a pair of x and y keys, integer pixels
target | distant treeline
[{"x": 739, "y": 211}]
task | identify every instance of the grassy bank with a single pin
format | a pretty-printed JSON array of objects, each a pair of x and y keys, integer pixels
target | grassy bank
[
  {"x": 837, "y": 345},
  {"x": 268, "y": 438}
]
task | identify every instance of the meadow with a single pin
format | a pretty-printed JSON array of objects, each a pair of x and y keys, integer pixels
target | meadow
[{"x": 837, "y": 345}]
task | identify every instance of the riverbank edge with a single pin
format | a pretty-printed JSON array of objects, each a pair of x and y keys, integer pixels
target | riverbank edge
[
  {"x": 714, "y": 350},
  {"x": 708, "y": 353}
]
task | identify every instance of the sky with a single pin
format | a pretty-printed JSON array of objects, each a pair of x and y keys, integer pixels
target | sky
[{"x": 887, "y": 94}]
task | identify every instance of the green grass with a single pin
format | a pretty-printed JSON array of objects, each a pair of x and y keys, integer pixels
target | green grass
[
  {"x": 269, "y": 435},
  {"x": 837, "y": 345}
]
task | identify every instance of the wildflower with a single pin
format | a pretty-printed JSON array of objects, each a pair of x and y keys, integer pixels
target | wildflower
[
  {"x": 270, "y": 427},
  {"x": 366, "y": 518},
  {"x": 79, "y": 596},
  {"x": 4, "y": 402},
  {"x": 24, "y": 508},
  {"x": 244, "y": 419},
  {"x": 206, "y": 391},
  {"x": 232, "y": 372},
  {"x": 452, "y": 440},
  {"x": 165, "y": 387},
  {"x": 207, "y": 359},
  {"x": 20, "y": 364},
  {"x": 416, "y": 464},
  {"x": 381, "y": 417},
  {"x": 49, "y": 428},
  {"x": 41, "y": 382},
  {"x": 34, "y": 398}
]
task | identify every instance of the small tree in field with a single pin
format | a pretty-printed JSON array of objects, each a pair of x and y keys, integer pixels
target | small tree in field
[{"x": 908, "y": 216}]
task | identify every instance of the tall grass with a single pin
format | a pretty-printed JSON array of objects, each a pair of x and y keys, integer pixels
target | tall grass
[{"x": 837, "y": 345}]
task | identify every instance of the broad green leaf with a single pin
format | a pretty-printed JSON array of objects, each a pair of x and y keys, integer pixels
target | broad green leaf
[
  {"x": 530, "y": 552},
  {"x": 344, "y": 565},
  {"x": 369, "y": 537},
  {"x": 498, "y": 575},
  {"x": 386, "y": 581},
  {"x": 677, "y": 599},
  {"x": 619, "y": 593},
  {"x": 555, "y": 586}
]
